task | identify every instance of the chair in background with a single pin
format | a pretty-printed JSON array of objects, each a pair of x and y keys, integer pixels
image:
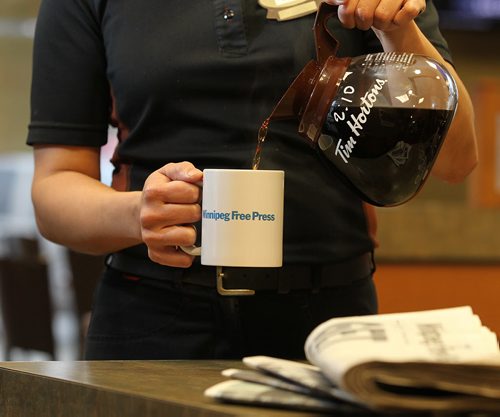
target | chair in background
[
  {"x": 86, "y": 271},
  {"x": 25, "y": 299}
]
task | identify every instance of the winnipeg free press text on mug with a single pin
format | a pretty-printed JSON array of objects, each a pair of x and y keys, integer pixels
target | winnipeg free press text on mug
[{"x": 242, "y": 218}]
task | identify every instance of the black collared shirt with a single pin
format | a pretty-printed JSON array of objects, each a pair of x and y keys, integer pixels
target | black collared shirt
[{"x": 193, "y": 81}]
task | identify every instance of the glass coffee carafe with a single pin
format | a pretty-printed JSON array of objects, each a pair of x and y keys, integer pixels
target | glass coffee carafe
[{"x": 377, "y": 120}]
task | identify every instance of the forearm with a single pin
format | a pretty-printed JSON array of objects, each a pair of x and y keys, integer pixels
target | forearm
[
  {"x": 458, "y": 156},
  {"x": 73, "y": 208},
  {"x": 78, "y": 211}
]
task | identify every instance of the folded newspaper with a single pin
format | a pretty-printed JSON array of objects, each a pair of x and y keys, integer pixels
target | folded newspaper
[{"x": 433, "y": 360}]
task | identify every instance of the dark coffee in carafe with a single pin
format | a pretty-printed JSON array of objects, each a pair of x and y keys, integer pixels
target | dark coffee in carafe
[
  {"x": 390, "y": 159},
  {"x": 378, "y": 121}
]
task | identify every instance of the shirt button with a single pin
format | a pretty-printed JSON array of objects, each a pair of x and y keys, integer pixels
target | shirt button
[{"x": 228, "y": 14}]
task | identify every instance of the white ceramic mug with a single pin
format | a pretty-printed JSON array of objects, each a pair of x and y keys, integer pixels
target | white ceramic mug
[{"x": 242, "y": 218}]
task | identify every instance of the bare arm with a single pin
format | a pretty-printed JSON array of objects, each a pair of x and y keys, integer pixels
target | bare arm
[
  {"x": 75, "y": 209},
  {"x": 393, "y": 23}
]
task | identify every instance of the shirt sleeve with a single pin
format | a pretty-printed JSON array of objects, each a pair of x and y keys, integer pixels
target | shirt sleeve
[{"x": 70, "y": 95}]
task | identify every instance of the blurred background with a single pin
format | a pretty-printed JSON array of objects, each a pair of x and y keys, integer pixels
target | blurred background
[
  {"x": 441, "y": 249},
  {"x": 45, "y": 289}
]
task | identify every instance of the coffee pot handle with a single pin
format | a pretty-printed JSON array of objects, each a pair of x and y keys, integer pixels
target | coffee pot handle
[
  {"x": 297, "y": 96},
  {"x": 326, "y": 44}
]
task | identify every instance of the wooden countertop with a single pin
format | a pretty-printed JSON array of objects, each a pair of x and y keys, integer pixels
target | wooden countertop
[
  {"x": 123, "y": 389},
  {"x": 118, "y": 389}
]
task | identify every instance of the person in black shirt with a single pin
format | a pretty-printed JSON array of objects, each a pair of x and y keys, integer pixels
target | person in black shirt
[{"x": 187, "y": 84}]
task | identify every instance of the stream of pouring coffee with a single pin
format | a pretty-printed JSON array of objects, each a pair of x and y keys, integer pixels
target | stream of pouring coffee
[{"x": 261, "y": 137}]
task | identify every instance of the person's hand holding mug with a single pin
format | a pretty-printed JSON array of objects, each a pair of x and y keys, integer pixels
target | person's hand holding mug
[
  {"x": 169, "y": 207},
  {"x": 242, "y": 220}
]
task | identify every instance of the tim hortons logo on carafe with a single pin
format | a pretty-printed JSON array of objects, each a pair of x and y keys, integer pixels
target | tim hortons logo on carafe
[{"x": 357, "y": 121}]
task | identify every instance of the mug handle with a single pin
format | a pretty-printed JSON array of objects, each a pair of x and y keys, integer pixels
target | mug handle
[{"x": 192, "y": 250}]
